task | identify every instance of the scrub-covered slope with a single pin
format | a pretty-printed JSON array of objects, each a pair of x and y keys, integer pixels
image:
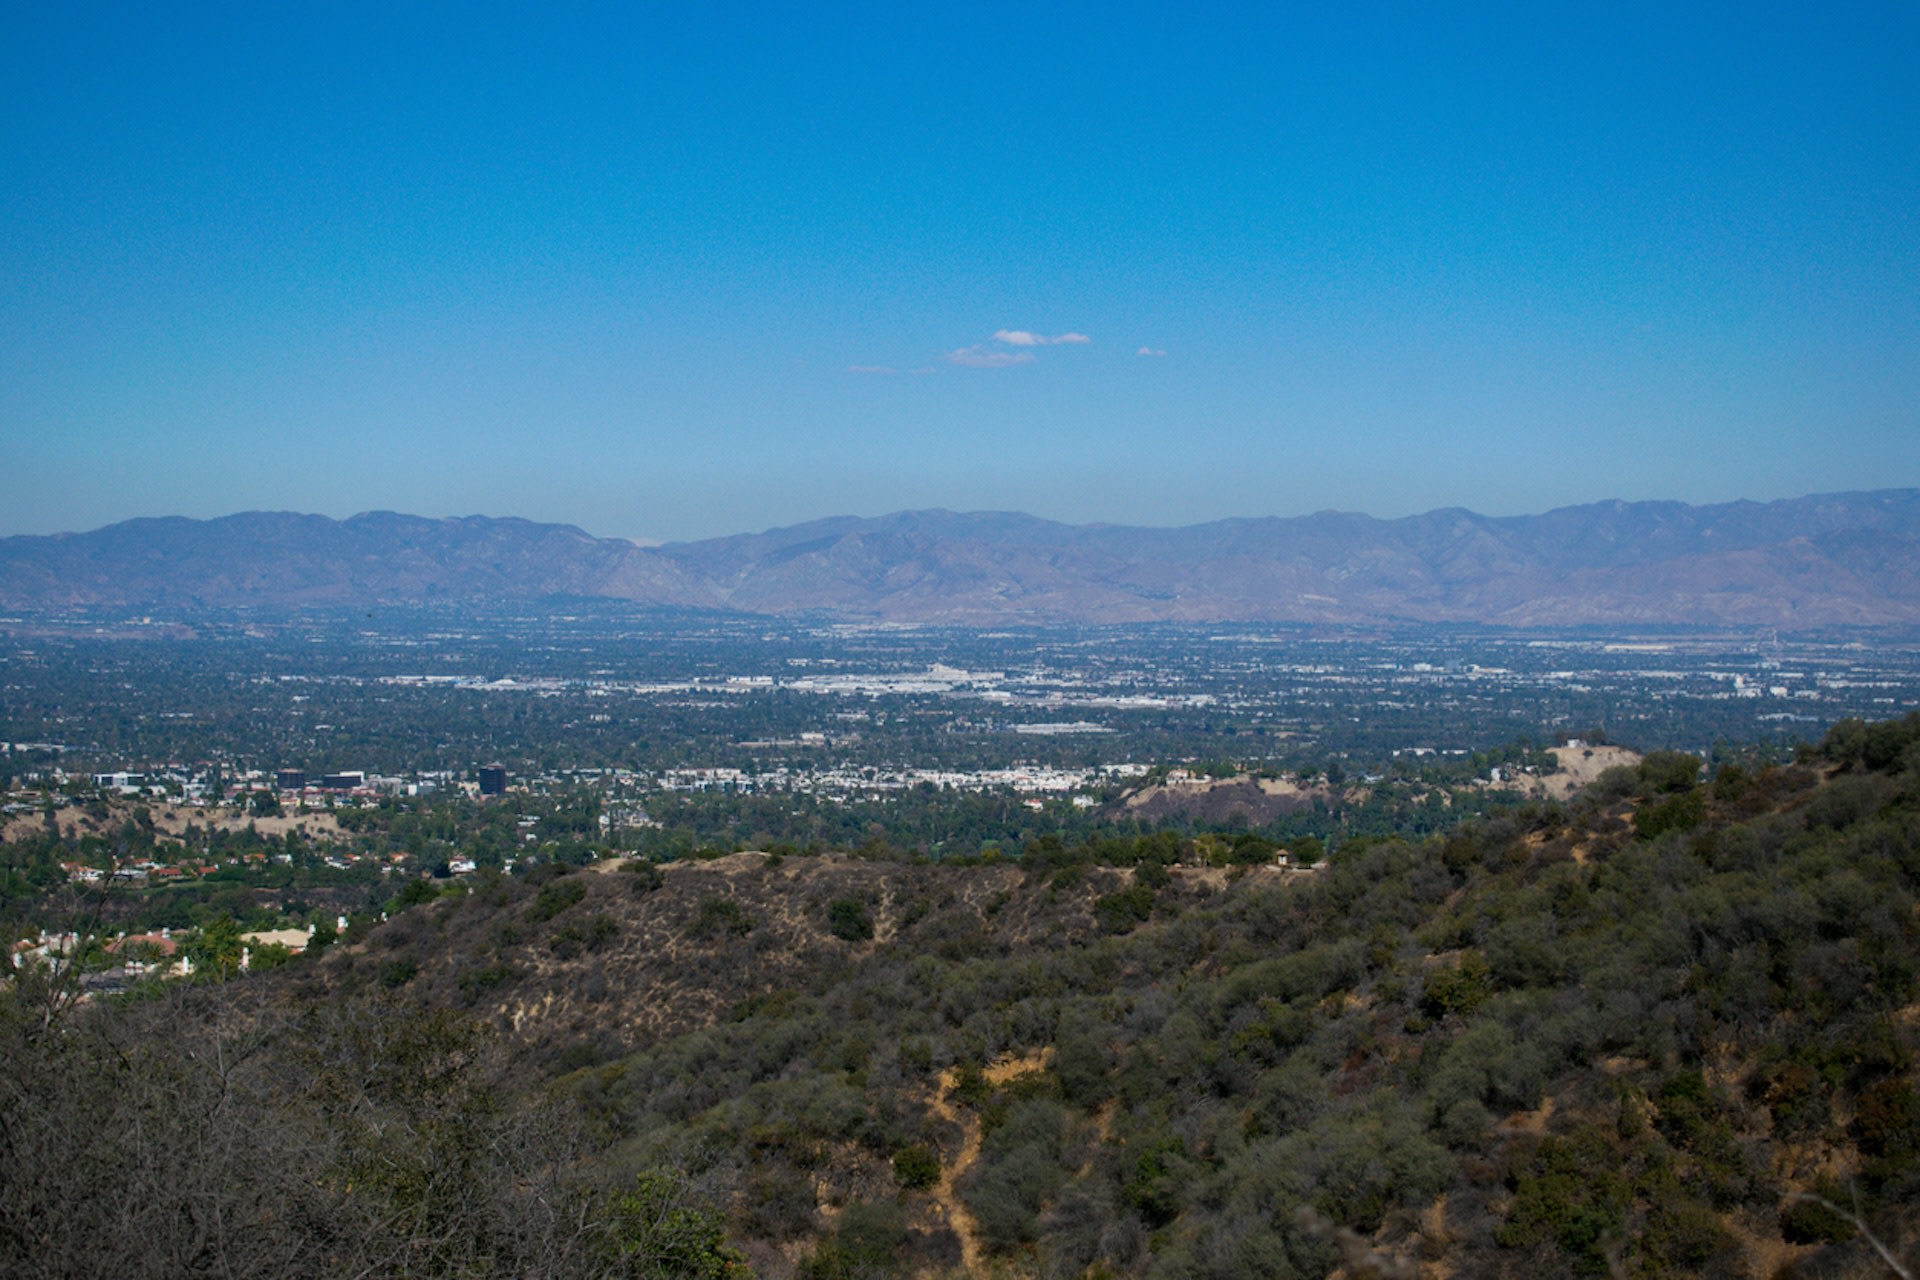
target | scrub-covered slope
[
  {"x": 1656, "y": 1030},
  {"x": 1666, "y": 1028}
]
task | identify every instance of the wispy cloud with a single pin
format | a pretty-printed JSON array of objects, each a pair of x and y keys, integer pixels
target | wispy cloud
[
  {"x": 1022, "y": 338},
  {"x": 983, "y": 357},
  {"x": 1149, "y": 351},
  {"x": 869, "y": 368}
]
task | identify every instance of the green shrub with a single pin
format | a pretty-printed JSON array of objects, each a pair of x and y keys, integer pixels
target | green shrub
[
  {"x": 1731, "y": 782},
  {"x": 1669, "y": 772},
  {"x": 717, "y": 916},
  {"x": 1084, "y": 1065},
  {"x": 916, "y": 1168},
  {"x": 397, "y": 973},
  {"x": 576, "y": 1057},
  {"x": 476, "y": 982},
  {"x": 1159, "y": 1176},
  {"x": 1681, "y": 1235},
  {"x": 1614, "y": 781},
  {"x": 1121, "y": 911},
  {"x": 970, "y": 1084},
  {"x": 570, "y": 940},
  {"x": 643, "y": 877},
  {"x": 849, "y": 920},
  {"x": 867, "y": 1240},
  {"x": 1152, "y": 873},
  {"x": 1887, "y": 742},
  {"x": 554, "y": 897},
  {"x": 1458, "y": 988},
  {"x": 1573, "y": 1194},
  {"x": 1679, "y": 813},
  {"x": 1807, "y": 1221},
  {"x": 1020, "y": 1166}
]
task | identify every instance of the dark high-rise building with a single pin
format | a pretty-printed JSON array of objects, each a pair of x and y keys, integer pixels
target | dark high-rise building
[
  {"x": 291, "y": 780},
  {"x": 493, "y": 779}
]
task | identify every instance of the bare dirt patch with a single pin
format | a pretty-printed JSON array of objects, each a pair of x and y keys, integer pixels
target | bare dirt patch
[
  {"x": 315, "y": 825},
  {"x": 172, "y": 821},
  {"x": 733, "y": 864},
  {"x": 1258, "y": 800},
  {"x": 1579, "y": 766}
]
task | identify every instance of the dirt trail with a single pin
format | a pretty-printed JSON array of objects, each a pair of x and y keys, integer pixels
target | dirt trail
[{"x": 972, "y": 1256}]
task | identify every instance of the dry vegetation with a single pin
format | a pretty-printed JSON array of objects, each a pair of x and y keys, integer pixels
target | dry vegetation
[{"x": 1667, "y": 1028}]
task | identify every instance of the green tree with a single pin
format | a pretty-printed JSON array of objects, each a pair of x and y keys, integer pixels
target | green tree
[
  {"x": 657, "y": 1230},
  {"x": 215, "y": 949}
]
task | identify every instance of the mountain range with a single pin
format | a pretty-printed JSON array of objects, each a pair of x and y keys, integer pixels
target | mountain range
[{"x": 1849, "y": 559}]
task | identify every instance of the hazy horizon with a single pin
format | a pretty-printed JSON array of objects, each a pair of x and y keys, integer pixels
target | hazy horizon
[{"x": 958, "y": 511}]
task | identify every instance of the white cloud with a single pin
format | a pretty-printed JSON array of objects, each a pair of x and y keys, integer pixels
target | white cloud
[
  {"x": 1149, "y": 351},
  {"x": 1022, "y": 338},
  {"x": 979, "y": 357}
]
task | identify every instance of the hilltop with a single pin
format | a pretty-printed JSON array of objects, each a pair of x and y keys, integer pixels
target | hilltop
[{"x": 1824, "y": 561}]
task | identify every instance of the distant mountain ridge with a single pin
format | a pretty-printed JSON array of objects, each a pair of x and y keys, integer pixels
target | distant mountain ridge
[{"x": 1826, "y": 560}]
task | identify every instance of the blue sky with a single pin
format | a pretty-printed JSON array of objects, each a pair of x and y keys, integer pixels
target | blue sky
[{"x": 706, "y": 269}]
